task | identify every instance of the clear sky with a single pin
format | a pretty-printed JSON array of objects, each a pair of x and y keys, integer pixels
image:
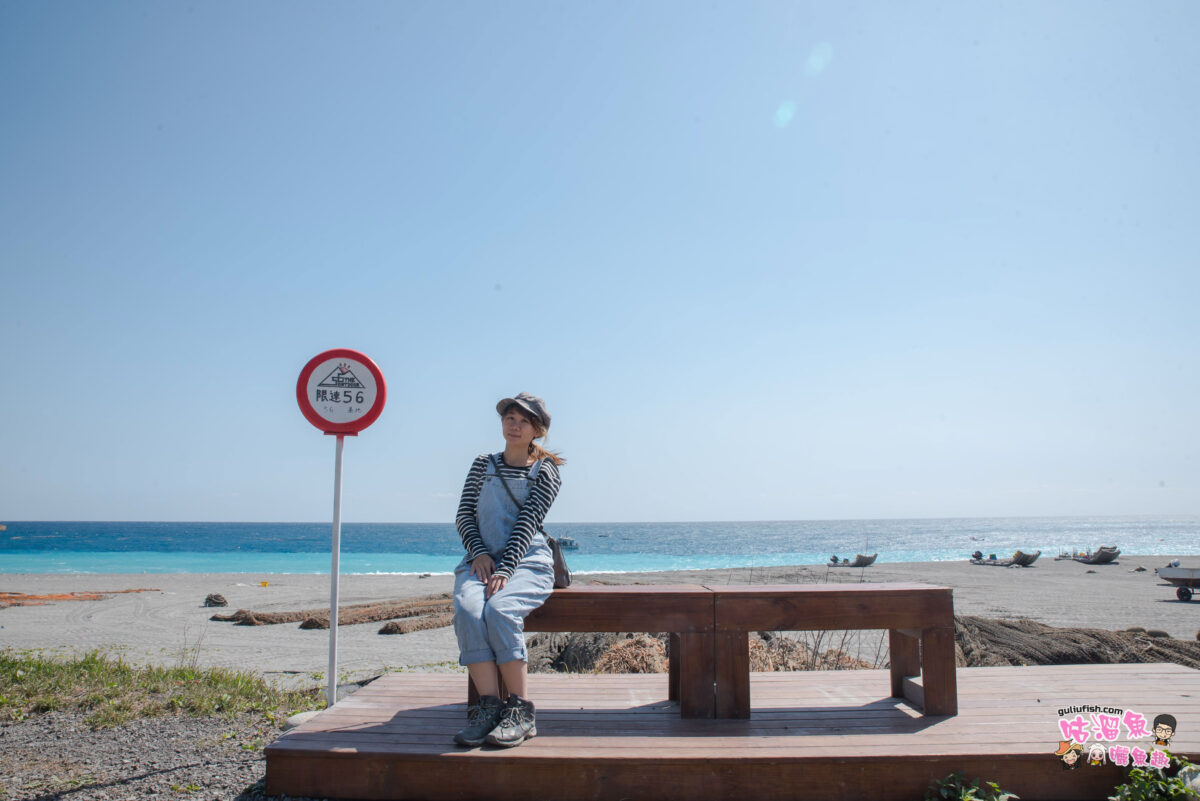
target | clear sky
[{"x": 764, "y": 260}]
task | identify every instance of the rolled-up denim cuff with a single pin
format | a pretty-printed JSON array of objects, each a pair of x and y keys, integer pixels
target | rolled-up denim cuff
[
  {"x": 476, "y": 656},
  {"x": 512, "y": 655}
]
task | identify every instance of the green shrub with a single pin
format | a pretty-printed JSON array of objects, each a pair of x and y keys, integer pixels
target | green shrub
[
  {"x": 955, "y": 787},
  {"x": 1157, "y": 784}
]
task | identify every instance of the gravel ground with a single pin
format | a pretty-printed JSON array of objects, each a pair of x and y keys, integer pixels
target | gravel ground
[{"x": 56, "y": 756}]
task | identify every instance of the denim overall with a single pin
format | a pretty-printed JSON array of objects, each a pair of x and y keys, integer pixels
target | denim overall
[{"x": 494, "y": 629}]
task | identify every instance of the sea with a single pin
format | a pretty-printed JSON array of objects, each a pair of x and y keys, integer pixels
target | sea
[{"x": 416, "y": 548}]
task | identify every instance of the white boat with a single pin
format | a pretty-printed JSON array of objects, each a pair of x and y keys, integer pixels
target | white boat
[
  {"x": 1185, "y": 578},
  {"x": 567, "y": 543}
]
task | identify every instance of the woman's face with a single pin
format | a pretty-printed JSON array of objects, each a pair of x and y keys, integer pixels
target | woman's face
[{"x": 517, "y": 428}]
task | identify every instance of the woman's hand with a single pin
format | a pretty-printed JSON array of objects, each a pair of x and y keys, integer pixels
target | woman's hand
[
  {"x": 482, "y": 567},
  {"x": 494, "y": 585}
]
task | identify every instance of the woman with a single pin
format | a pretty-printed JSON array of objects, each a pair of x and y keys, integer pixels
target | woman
[{"x": 508, "y": 570}]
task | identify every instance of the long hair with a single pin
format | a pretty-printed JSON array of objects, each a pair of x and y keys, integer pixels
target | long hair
[{"x": 539, "y": 432}]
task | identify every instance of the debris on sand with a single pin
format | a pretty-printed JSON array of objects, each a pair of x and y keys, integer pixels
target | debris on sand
[
  {"x": 8, "y": 599},
  {"x": 436, "y": 607}
]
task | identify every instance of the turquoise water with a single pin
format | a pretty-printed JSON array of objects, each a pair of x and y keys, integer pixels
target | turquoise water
[{"x": 151, "y": 547}]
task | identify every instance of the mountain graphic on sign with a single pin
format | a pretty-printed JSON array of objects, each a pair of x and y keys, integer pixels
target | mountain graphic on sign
[{"x": 342, "y": 377}]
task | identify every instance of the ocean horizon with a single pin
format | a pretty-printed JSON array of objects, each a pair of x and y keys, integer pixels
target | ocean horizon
[{"x": 99, "y": 547}]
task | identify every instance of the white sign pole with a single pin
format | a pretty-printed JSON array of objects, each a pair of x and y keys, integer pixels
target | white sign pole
[
  {"x": 341, "y": 392},
  {"x": 334, "y": 572}
]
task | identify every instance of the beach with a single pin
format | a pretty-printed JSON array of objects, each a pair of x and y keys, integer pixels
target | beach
[{"x": 165, "y": 622}]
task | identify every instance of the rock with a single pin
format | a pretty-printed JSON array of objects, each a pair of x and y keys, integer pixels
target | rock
[
  {"x": 214, "y": 599},
  {"x": 1138, "y": 569},
  {"x": 1191, "y": 777},
  {"x": 1156, "y": 633},
  {"x": 300, "y": 717}
]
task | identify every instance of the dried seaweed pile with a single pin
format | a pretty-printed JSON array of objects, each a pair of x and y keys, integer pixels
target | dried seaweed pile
[
  {"x": 416, "y": 614},
  {"x": 982, "y": 642}
]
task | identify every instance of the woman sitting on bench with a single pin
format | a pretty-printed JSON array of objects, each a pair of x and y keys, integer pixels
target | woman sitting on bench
[{"x": 507, "y": 572}]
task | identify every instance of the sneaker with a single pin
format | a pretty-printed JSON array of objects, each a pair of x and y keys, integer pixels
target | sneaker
[
  {"x": 483, "y": 719},
  {"x": 516, "y": 723}
]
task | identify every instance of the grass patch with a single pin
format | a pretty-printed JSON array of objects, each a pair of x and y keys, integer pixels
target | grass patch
[{"x": 112, "y": 692}]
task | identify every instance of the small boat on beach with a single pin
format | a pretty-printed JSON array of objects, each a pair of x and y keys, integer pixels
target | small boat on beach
[
  {"x": 1185, "y": 578},
  {"x": 1025, "y": 559},
  {"x": 1019, "y": 559},
  {"x": 859, "y": 561},
  {"x": 1104, "y": 555}
]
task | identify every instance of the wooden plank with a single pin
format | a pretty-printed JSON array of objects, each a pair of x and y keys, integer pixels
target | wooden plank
[
  {"x": 823, "y": 607},
  {"x": 696, "y": 679},
  {"x": 644, "y": 607},
  {"x": 584, "y": 779},
  {"x": 904, "y": 652},
  {"x": 732, "y": 674},
  {"x": 938, "y": 680},
  {"x": 674, "y": 648}
]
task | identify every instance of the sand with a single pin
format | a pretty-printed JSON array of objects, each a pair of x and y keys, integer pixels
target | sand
[{"x": 168, "y": 624}]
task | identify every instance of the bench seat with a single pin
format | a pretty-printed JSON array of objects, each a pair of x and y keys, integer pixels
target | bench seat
[{"x": 710, "y": 626}]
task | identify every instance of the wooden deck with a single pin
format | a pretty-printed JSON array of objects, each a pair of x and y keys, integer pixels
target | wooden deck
[{"x": 818, "y": 735}]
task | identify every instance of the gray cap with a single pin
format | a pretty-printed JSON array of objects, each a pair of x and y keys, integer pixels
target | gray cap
[{"x": 532, "y": 404}]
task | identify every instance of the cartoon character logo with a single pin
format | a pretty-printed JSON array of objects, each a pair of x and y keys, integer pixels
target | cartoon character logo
[
  {"x": 1164, "y": 729},
  {"x": 1069, "y": 753},
  {"x": 1096, "y": 755}
]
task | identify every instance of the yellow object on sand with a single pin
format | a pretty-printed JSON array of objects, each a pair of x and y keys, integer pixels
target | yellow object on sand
[{"x": 263, "y": 584}]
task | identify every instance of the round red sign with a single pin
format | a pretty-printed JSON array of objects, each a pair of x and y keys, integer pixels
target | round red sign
[{"x": 341, "y": 391}]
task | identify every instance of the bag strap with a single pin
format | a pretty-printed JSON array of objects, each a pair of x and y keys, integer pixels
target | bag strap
[{"x": 504, "y": 481}]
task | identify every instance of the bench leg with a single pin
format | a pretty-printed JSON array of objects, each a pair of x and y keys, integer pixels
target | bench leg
[
  {"x": 904, "y": 654},
  {"x": 696, "y": 675},
  {"x": 673, "y": 648},
  {"x": 937, "y": 671},
  {"x": 732, "y": 658}
]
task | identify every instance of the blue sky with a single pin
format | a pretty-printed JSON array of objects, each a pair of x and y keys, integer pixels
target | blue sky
[{"x": 763, "y": 260}]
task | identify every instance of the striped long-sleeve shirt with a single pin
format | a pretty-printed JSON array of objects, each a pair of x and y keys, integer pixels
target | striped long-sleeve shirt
[{"x": 529, "y": 520}]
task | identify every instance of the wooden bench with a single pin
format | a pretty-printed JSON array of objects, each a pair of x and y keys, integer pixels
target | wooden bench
[
  {"x": 686, "y": 611},
  {"x": 919, "y": 619},
  {"x": 709, "y": 646}
]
